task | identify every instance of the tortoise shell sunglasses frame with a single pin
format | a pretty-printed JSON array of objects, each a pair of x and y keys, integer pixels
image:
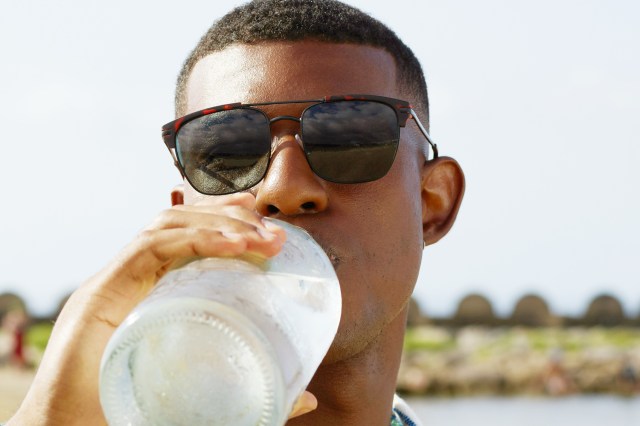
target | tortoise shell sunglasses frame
[{"x": 403, "y": 110}]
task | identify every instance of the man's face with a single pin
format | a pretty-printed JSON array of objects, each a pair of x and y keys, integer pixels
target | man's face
[{"x": 372, "y": 231}]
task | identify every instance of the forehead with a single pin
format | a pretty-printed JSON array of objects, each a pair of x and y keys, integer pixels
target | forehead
[{"x": 273, "y": 71}]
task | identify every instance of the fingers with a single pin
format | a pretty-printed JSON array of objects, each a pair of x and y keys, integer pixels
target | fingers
[
  {"x": 232, "y": 218},
  {"x": 306, "y": 403},
  {"x": 230, "y": 221},
  {"x": 225, "y": 226},
  {"x": 236, "y": 206},
  {"x": 156, "y": 251}
]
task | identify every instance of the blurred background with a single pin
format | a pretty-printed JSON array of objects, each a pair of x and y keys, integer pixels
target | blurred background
[{"x": 536, "y": 290}]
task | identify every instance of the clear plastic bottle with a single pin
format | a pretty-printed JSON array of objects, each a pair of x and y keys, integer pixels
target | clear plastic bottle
[{"x": 224, "y": 341}]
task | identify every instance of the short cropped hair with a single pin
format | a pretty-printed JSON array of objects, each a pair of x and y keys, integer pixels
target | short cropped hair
[{"x": 292, "y": 20}]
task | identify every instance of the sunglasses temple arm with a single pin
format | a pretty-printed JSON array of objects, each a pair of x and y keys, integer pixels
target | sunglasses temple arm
[
  {"x": 425, "y": 133},
  {"x": 172, "y": 151}
]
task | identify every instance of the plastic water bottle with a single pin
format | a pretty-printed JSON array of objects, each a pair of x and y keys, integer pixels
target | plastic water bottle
[{"x": 224, "y": 341}]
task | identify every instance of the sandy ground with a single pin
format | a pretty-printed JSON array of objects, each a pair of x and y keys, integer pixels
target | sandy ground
[{"x": 14, "y": 384}]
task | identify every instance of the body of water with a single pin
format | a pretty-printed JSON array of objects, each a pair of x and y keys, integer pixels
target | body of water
[{"x": 528, "y": 411}]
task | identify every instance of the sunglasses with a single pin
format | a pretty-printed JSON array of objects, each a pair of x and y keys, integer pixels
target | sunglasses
[{"x": 345, "y": 139}]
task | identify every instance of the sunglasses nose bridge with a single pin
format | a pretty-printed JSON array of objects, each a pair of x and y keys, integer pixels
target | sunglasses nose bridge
[
  {"x": 279, "y": 118},
  {"x": 284, "y": 117}
]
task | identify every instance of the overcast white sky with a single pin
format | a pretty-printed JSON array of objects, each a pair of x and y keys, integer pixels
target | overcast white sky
[{"x": 537, "y": 100}]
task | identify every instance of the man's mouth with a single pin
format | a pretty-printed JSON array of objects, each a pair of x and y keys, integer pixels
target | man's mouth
[
  {"x": 331, "y": 254},
  {"x": 333, "y": 258}
]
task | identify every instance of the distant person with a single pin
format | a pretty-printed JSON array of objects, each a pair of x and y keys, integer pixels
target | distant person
[
  {"x": 18, "y": 346},
  {"x": 370, "y": 191},
  {"x": 13, "y": 326},
  {"x": 555, "y": 378}
]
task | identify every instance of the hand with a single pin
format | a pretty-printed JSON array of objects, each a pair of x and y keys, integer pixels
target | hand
[{"x": 65, "y": 389}]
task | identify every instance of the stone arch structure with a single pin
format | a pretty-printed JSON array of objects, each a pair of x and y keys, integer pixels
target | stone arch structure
[
  {"x": 10, "y": 301},
  {"x": 605, "y": 310},
  {"x": 474, "y": 309},
  {"x": 415, "y": 315},
  {"x": 531, "y": 311}
]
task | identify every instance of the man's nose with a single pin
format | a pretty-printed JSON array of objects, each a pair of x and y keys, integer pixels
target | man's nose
[{"x": 290, "y": 187}]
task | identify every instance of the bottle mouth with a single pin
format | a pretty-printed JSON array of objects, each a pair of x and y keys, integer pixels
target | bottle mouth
[{"x": 192, "y": 361}]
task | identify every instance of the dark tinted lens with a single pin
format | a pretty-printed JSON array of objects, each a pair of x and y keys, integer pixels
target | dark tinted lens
[
  {"x": 350, "y": 141},
  {"x": 226, "y": 151}
]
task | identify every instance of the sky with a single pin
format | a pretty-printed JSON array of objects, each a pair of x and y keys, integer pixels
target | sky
[{"x": 536, "y": 100}]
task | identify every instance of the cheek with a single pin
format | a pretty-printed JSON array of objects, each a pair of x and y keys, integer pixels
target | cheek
[
  {"x": 400, "y": 216},
  {"x": 378, "y": 278},
  {"x": 399, "y": 240},
  {"x": 388, "y": 235}
]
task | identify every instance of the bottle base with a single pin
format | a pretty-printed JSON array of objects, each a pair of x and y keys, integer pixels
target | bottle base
[{"x": 191, "y": 361}]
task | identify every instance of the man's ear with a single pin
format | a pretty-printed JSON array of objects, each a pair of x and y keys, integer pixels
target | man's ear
[
  {"x": 442, "y": 191},
  {"x": 177, "y": 195}
]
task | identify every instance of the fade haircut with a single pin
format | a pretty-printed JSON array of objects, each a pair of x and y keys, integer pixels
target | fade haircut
[{"x": 292, "y": 20}]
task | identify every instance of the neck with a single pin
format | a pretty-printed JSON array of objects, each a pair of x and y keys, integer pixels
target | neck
[{"x": 360, "y": 389}]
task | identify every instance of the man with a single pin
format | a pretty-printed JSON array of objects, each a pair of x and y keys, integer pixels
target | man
[{"x": 372, "y": 222}]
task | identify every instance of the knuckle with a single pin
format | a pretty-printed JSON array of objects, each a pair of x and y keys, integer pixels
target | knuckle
[
  {"x": 198, "y": 234},
  {"x": 146, "y": 239},
  {"x": 233, "y": 209},
  {"x": 242, "y": 213},
  {"x": 150, "y": 243},
  {"x": 170, "y": 216}
]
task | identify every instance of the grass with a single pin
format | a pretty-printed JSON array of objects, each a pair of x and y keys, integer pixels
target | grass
[
  {"x": 415, "y": 340},
  {"x": 37, "y": 335},
  {"x": 541, "y": 340}
]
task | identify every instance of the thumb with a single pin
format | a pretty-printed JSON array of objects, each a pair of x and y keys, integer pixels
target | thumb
[{"x": 306, "y": 403}]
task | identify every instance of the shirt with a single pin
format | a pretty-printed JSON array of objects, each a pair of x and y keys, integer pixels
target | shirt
[{"x": 402, "y": 415}]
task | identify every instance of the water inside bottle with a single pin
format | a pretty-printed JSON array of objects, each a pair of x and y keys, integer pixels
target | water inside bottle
[{"x": 188, "y": 360}]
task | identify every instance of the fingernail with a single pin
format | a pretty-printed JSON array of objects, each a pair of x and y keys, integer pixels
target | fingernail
[
  {"x": 276, "y": 229},
  {"x": 271, "y": 226},
  {"x": 233, "y": 236}
]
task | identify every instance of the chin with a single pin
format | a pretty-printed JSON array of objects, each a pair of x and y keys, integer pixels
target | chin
[
  {"x": 383, "y": 322},
  {"x": 353, "y": 337}
]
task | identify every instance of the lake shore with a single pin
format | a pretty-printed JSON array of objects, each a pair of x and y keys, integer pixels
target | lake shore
[
  {"x": 517, "y": 360},
  {"x": 469, "y": 361}
]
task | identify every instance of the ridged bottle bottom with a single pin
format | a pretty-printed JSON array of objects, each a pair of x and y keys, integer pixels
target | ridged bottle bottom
[{"x": 191, "y": 361}]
